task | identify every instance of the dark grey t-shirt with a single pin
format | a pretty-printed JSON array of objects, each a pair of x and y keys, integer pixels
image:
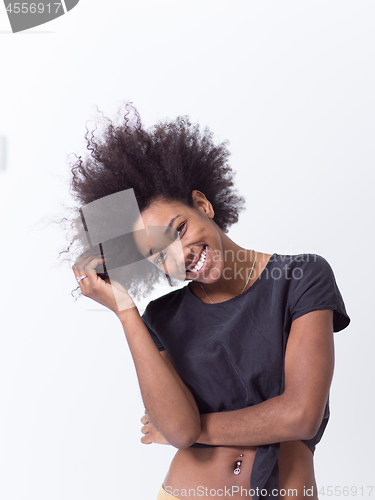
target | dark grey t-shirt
[{"x": 231, "y": 354}]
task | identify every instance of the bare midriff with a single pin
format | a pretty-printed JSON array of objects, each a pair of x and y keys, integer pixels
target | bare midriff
[{"x": 209, "y": 472}]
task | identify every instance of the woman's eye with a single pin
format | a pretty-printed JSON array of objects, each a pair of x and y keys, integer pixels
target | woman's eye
[
  {"x": 181, "y": 227},
  {"x": 159, "y": 258},
  {"x": 162, "y": 255}
]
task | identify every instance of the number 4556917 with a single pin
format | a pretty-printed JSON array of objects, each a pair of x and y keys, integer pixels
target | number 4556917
[
  {"x": 345, "y": 491},
  {"x": 32, "y": 8}
]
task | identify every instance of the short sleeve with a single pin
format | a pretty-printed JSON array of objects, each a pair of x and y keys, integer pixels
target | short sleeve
[
  {"x": 314, "y": 287},
  {"x": 147, "y": 320}
]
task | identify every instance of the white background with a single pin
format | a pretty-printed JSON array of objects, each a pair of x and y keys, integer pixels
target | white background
[{"x": 291, "y": 85}]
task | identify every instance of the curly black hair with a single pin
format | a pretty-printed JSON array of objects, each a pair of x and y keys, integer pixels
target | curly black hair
[{"x": 167, "y": 161}]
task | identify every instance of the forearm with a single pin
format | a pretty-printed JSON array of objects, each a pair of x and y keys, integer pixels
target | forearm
[
  {"x": 272, "y": 421},
  {"x": 295, "y": 414},
  {"x": 171, "y": 411}
]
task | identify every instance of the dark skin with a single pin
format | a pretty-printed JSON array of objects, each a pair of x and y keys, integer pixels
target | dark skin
[
  {"x": 172, "y": 416},
  {"x": 197, "y": 229}
]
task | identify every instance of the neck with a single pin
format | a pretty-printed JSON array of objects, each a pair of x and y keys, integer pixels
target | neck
[{"x": 237, "y": 264}]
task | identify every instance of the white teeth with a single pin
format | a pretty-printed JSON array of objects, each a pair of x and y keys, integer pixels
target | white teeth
[{"x": 198, "y": 266}]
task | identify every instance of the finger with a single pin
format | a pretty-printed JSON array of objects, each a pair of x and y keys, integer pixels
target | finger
[
  {"x": 92, "y": 263},
  {"x": 86, "y": 267},
  {"x": 145, "y": 419},
  {"x": 79, "y": 266},
  {"x": 82, "y": 261},
  {"x": 145, "y": 440},
  {"x": 145, "y": 430},
  {"x": 89, "y": 265},
  {"x": 78, "y": 271},
  {"x": 89, "y": 270}
]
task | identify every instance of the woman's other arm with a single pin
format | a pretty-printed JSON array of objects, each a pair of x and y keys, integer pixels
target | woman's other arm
[{"x": 297, "y": 413}]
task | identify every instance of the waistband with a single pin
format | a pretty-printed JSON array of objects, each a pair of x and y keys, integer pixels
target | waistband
[{"x": 163, "y": 495}]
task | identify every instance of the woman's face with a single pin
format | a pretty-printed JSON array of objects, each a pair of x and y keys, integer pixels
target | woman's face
[{"x": 184, "y": 242}]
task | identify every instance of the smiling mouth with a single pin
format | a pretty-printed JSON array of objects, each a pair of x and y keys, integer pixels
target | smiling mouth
[{"x": 200, "y": 262}]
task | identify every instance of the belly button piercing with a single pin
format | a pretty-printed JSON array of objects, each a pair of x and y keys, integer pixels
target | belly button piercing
[{"x": 237, "y": 469}]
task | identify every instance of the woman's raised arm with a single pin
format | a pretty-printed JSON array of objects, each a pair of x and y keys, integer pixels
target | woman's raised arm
[
  {"x": 167, "y": 400},
  {"x": 165, "y": 397}
]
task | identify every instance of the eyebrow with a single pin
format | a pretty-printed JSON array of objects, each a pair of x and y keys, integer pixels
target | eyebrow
[{"x": 169, "y": 225}]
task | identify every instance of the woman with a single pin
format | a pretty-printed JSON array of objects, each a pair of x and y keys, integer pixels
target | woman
[{"x": 234, "y": 368}]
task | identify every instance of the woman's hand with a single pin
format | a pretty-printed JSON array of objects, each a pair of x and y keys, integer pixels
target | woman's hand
[
  {"x": 151, "y": 434},
  {"x": 109, "y": 294}
]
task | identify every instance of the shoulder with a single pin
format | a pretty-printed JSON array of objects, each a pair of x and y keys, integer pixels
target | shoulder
[
  {"x": 290, "y": 271},
  {"x": 167, "y": 304},
  {"x": 312, "y": 285},
  {"x": 306, "y": 269},
  {"x": 169, "y": 299},
  {"x": 302, "y": 270},
  {"x": 308, "y": 262}
]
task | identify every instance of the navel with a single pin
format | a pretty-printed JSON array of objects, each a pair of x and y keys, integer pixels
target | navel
[{"x": 237, "y": 467}]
